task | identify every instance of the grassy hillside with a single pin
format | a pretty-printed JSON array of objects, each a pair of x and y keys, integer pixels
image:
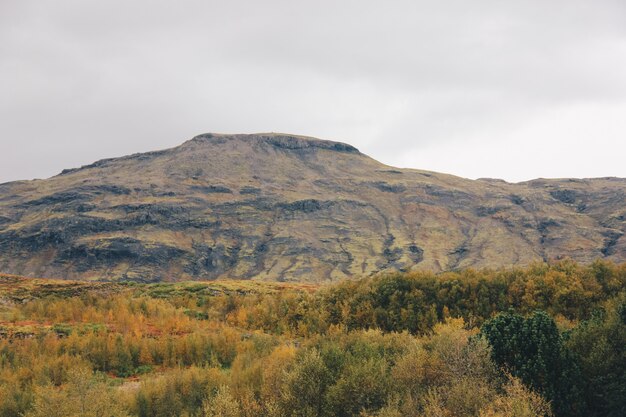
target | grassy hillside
[{"x": 289, "y": 208}]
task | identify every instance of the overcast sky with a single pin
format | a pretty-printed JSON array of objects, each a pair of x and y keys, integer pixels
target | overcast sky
[{"x": 508, "y": 89}]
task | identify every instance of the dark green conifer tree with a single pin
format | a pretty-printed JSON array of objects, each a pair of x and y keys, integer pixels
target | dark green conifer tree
[{"x": 532, "y": 350}]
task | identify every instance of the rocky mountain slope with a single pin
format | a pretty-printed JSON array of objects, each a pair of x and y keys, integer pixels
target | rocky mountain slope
[{"x": 283, "y": 207}]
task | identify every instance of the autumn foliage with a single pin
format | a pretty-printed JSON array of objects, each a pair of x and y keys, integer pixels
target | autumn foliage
[{"x": 542, "y": 340}]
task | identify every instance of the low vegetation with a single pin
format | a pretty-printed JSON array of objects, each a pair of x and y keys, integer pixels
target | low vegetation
[{"x": 543, "y": 340}]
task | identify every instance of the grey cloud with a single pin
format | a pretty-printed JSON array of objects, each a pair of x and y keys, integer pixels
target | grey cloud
[{"x": 82, "y": 80}]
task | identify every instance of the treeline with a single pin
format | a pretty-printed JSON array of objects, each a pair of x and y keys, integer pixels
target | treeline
[
  {"x": 415, "y": 302},
  {"x": 548, "y": 339}
]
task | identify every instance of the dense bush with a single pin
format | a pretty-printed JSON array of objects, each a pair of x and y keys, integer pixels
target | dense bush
[{"x": 521, "y": 342}]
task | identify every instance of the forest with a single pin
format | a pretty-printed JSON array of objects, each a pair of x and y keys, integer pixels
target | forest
[{"x": 544, "y": 340}]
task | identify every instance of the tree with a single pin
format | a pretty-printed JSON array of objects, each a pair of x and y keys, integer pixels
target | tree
[
  {"x": 517, "y": 401},
  {"x": 306, "y": 385},
  {"x": 223, "y": 404},
  {"x": 362, "y": 387},
  {"x": 532, "y": 350},
  {"x": 599, "y": 344}
]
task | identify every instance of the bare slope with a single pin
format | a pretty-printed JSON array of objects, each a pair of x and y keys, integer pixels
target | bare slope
[{"x": 283, "y": 207}]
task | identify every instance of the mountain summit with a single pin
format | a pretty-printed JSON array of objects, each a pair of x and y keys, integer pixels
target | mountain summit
[{"x": 284, "y": 207}]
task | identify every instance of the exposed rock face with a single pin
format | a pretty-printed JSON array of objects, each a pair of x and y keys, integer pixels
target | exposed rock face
[{"x": 283, "y": 207}]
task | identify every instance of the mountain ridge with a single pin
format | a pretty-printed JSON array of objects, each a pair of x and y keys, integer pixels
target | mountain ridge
[{"x": 275, "y": 206}]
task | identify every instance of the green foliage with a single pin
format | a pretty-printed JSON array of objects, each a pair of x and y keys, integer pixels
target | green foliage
[
  {"x": 62, "y": 329},
  {"x": 531, "y": 349},
  {"x": 599, "y": 344},
  {"x": 363, "y": 386},
  {"x": 306, "y": 385},
  {"x": 416, "y": 301}
]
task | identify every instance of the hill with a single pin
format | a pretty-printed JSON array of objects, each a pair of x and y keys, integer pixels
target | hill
[{"x": 292, "y": 208}]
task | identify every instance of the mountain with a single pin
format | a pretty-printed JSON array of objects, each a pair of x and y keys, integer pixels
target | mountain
[{"x": 293, "y": 208}]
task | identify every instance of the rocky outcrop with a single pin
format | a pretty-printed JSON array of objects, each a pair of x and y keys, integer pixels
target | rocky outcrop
[{"x": 284, "y": 207}]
